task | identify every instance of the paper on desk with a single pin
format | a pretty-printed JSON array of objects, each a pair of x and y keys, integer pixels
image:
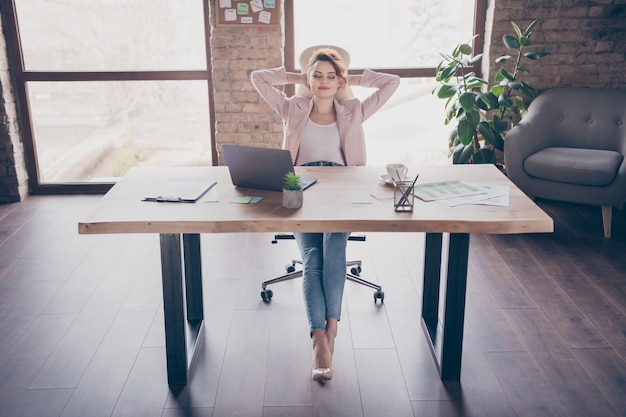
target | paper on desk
[
  {"x": 441, "y": 190},
  {"x": 492, "y": 195},
  {"x": 181, "y": 190}
]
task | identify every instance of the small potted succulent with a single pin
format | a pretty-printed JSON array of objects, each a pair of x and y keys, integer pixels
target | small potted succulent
[{"x": 292, "y": 191}]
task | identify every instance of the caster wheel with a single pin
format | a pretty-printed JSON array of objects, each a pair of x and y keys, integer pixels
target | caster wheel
[
  {"x": 290, "y": 268},
  {"x": 267, "y": 295},
  {"x": 356, "y": 270},
  {"x": 379, "y": 295}
]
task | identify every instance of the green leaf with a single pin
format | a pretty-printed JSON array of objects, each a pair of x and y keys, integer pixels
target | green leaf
[
  {"x": 448, "y": 72},
  {"x": 453, "y": 140},
  {"x": 504, "y": 100},
  {"x": 499, "y": 125},
  {"x": 469, "y": 75},
  {"x": 481, "y": 103},
  {"x": 529, "y": 29},
  {"x": 524, "y": 41},
  {"x": 473, "y": 117},
  {"x": 484, "y": 156},
  {"x": 519, "y": 103},
  {"x": 467, "y": 154},
  {"x": 457, "y": 154},
  {"x": 491, "y": 99},
  {"x": 475, "y": 59},
  {"x": 529, "y": 91},
  {"x": 466, "y": 131},
  {"x": 446, "y": 57},
  {"x": 475, "y": 83},
  {"x": 465, "y": 49},
  {"x": 447, "y": 90},
  {"x": 502, "y": 59},
  {"x": 496, "y": 91},
  {"x": 467, "y": 101},
  {"x": 450, "y": 115},
  {"x": 485, "y": 129},
  {"x": 506, "y": 74},
  {"x": 518, "y": 31},
  {"x": 536, "y": 55},
  {"x": 511, "y": 42}
]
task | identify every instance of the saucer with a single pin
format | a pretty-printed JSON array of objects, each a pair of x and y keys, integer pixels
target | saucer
[{"x": 387, "y": 179}]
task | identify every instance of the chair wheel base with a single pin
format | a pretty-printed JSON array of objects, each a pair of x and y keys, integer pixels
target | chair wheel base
[
  {"x": 379, "y": 295},
  {"x": 266, "y": 295}
]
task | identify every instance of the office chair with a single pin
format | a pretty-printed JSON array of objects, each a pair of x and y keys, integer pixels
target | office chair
[{"x": 353, "y": 274}]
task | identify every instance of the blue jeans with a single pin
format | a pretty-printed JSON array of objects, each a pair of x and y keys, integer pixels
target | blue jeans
[{"x": 324, "y": 275}]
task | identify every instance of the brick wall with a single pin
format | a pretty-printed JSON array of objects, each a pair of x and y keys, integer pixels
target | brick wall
[
  {"x": 13, "y": 177},
  {"x": 587, "y": 39},
  {"x": 241, "y": 116}
]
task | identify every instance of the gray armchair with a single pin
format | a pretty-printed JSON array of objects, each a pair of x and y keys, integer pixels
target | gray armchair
[{"x": 571, "y": 147}]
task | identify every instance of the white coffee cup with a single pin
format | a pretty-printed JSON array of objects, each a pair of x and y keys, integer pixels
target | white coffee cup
[{"x": 397, "y": 171}]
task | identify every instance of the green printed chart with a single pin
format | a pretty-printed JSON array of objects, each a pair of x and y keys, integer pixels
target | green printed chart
[{"x": 446, "y": 189}]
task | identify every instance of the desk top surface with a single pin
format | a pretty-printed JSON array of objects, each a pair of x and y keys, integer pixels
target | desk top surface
[{"x": 341, "y": 201}]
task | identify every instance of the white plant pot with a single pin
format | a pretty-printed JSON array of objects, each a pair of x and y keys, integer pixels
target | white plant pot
[{"x": 292, "y": 198}]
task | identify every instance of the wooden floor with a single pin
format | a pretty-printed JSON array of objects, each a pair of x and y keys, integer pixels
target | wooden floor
[{"x": 81, "y": 325}]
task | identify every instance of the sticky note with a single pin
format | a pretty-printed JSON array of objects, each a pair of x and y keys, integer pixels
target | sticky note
[
  {"x": 230, "y": 15},
  {"x": 265, "y": 17},
  {"x": 241, "y": 200},
  {"x": 256, "y": 5},
  {"x": 242, "y": 8}
]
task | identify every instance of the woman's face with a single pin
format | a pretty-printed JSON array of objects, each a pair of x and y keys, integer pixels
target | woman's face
[{"x": 323, "y": 80}]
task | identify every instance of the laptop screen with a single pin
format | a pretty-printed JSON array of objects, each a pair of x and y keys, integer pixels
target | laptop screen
[{"x": 259, "y": 168}]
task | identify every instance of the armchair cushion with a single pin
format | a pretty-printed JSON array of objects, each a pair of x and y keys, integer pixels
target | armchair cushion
[{"x": 574, "y": 166}]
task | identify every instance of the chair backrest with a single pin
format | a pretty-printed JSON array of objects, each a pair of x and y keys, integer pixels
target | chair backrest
[{"x": 581, "y": 117}]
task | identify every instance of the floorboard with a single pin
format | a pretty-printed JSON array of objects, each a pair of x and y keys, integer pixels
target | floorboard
[{"x": 82, "y": 325}]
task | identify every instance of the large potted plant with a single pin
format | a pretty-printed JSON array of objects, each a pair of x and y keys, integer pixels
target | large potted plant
[{"x": 483, "y": 113}]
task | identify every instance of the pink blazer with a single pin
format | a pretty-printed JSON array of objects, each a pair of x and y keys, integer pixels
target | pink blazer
[{"x": 351, "y": 112}]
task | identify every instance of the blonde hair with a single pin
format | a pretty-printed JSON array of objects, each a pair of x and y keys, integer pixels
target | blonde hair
[{"x": 332, "y": 56}]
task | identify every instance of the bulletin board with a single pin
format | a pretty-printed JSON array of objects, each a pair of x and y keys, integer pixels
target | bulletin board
[{"x": 247, "y": 12}]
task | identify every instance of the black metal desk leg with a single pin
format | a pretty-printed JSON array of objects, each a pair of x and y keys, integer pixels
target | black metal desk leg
[
  {"x": 432, "y": 273},
  {"x": 173, "y": 308},
  {"x": 193, "y": 276},
  {"x": 445, "y": 336},
  {"x": 454, "y": 308}
]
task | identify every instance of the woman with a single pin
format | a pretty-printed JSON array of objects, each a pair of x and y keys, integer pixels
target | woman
[{"x": 324, "y": 130}]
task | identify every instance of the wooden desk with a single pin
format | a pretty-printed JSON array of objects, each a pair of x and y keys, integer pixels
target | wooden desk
[{"x": 341, "y": 201}]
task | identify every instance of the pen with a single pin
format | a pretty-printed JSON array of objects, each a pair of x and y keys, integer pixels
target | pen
[{"x": 408, "y": 191}]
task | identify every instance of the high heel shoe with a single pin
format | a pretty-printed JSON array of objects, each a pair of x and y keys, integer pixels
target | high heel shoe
[{"x": 322, "y": 374}]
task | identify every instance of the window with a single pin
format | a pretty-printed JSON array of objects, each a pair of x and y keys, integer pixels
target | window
[
  {"x": 402, "y": 37},
  {"x": 109, "y": 85}
]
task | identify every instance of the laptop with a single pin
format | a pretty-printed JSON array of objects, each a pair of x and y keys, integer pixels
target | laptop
[{"x": 260, "y": 168}]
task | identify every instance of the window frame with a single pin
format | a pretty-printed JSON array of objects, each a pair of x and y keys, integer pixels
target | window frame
[
  {"x": 480, "y": 10},
  {"x": 22, "y": 77}
]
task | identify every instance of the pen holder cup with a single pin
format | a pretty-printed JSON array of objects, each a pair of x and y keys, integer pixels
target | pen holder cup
[{"x": 403, "y": 197}]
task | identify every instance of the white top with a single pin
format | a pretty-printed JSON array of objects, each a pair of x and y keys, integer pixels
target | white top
[{"x": 319, "y": 143}]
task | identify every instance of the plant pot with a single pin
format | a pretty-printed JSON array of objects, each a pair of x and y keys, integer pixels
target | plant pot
[{"x": 293, "y": 198}]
